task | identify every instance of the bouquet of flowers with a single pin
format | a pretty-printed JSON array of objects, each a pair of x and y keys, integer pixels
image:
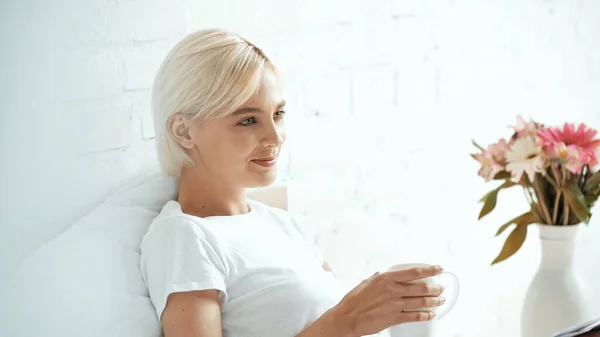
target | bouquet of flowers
[{"x": 557, "y": 168}]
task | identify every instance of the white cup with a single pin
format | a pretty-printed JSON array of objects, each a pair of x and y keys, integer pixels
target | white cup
[{"x": 426, "y": 328}]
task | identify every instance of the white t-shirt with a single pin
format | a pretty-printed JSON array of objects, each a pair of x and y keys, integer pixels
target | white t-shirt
[{"x": 269, "y": 276}]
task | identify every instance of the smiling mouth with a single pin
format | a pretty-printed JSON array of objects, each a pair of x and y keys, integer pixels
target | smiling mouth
[{"x": 266, "y": 162}]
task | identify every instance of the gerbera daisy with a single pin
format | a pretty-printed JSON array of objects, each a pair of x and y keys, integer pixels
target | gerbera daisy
[
  {"x": 525, "y": 156},
  {"x": 580, "y": 138}
]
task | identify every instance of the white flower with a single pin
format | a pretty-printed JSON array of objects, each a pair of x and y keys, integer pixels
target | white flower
[{"x": 524, "y": 155}]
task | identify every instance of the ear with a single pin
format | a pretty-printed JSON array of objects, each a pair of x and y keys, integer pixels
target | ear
[{"x": 178, "y": 126}]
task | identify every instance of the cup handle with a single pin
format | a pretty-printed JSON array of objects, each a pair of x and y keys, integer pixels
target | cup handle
[{"x": 450, "y": 302}]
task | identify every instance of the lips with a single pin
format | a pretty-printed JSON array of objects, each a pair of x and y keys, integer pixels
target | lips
[{"x": 266, "y": 162}]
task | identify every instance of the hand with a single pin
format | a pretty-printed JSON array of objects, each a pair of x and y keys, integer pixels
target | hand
[{"x": 380, "y": 301}]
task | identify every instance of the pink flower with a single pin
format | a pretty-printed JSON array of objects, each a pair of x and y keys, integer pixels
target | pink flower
[
  {"x": 524, "y": 128},
  {"x": 570, "y": 155},
  {"x": 575, "y": 145},
  {"x": 492, "y": 159},
  {"x": 489, "y": 168},
  {"x": 498, "y": 151}
]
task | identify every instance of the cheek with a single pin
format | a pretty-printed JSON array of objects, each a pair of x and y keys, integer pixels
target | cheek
[
  {"x": 239, "y": 145},
  {"x": 282, "y": 133},
  {"x": 229, "y": 155}
]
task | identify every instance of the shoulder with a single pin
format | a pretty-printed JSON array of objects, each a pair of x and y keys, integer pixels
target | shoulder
[
  {"x": 172, "y": 225},
  {"x": 176, "y": 239},
  {"x": 171, "y": 217}
]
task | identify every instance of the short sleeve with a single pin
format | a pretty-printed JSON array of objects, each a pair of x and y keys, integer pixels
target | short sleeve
[{"x": 177, "y": 256}]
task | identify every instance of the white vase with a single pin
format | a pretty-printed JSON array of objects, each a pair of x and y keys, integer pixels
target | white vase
[{"x": 556, "y": 297}]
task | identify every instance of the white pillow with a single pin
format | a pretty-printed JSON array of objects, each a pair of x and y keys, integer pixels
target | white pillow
[{"x": 87, "y": 281}]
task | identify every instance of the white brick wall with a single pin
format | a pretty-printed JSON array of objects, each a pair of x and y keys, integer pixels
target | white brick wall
[{"x": 384, "y": 98}]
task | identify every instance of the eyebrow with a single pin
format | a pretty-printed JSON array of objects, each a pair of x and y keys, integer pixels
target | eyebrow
[{"x": 242, "y": 111}]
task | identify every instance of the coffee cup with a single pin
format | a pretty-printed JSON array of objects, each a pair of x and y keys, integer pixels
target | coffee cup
[{"x": 426, "y": 328}]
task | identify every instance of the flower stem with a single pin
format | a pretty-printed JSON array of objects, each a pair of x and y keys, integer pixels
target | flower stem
[
  {"x": 542, "y": 203},
  {"x": 583, "y": 176},
  {"x": 557, "y": 177},
  {"x": 565, "y": 176},
  {"x": 558, "y": 187},
  {"x": 566, "y": 212},
  {"x": 555, "y": 210}
]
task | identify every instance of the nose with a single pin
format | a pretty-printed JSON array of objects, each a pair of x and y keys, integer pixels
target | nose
[{"x": 273, "y": 136}]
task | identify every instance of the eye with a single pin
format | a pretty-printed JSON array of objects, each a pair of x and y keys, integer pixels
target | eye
[
  {"x": 247, "y": 121},
  {"x": 279, "y": 114}
]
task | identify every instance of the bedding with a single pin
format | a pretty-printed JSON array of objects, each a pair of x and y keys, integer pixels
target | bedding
[{"x": 86, "y": 281}]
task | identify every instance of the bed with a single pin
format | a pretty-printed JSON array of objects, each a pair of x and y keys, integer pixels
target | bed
[{"x": 86, "y": 281}]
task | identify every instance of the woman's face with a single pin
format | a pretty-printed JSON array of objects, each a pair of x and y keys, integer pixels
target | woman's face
[{"x": 242, "y": 149}]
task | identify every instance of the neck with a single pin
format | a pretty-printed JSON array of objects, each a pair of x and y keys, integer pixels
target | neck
[{"x": 202, "y": 195}]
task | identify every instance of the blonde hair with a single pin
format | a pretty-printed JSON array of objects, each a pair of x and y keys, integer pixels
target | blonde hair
[{"x": 208, "y": 74}]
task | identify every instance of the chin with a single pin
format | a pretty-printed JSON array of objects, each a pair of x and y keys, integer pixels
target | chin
[{"x": 261, "y": 180}]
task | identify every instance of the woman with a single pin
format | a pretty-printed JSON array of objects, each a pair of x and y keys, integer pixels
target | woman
[{"x": 218, "y": 264}]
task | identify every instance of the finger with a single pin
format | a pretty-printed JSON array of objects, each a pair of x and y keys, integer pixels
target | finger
[
  {"x": 413, "y": 274},
  {"x": 421, "y": 289},
  {"x": 423, "y": 302},
  {"x": 415, "y": 316}
]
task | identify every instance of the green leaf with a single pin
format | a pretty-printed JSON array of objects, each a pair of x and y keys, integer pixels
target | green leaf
[
  {"x": 489, "y": 200},
  {"x": 550, "y": 180},
  {"x": 513, "y": 243},
  {"x": 577, "y": 202},
  {"x": 591, "y": 199},
  {"x": 477, "y": 145},
  {"x": 522, "y": 220},
  {"x": 592, "y": 183}
]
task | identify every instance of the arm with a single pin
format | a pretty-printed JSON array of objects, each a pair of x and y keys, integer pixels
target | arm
[
  {"x": 378, "y": 303},
  {"x": 185, "y": 277},
  {"x": 361, "y": 312},
  {"x": 197, "y": 314},
  {"x": 330, "y": 324},
  {"x": 192, "y": 314}
]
